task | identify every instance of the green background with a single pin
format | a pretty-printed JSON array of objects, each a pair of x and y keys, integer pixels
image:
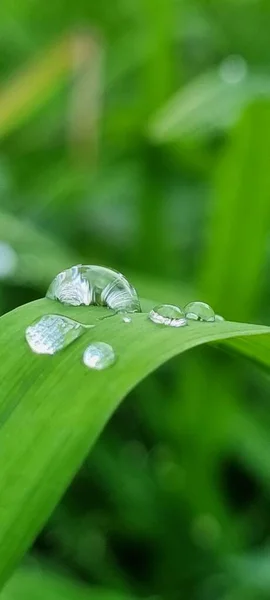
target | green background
[{"x": 136, "y": 134}]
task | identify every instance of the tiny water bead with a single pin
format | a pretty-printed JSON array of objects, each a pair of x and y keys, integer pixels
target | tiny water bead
[
  {"x": 127, "y": 319},
  {"x": 51, "y": 333},
  {"x": 92, "y": 284},
  {"x": 99, "y": 356},
  {"x": 168, "y": 314},
  {"x": 199, "y": 311},
  {"x": 219, "y": 318}
]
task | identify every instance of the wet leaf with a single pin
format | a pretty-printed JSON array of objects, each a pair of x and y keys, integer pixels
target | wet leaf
[{"x": 53, "y": 408}]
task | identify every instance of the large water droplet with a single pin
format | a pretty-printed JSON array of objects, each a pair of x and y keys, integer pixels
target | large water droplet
[
  {"x": 99, "y": 356},
  {"x": 219, "y": 318},
  {"x": 51, "y": 333},
  {"x": 168, "y": 314},
  {"x": 91, "y": 284},
  {"x": 199, "y": 311},
  {"x": 8, "y": 260}
]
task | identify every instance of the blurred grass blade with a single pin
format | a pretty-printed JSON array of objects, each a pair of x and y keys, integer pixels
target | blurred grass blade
[
  {"x": 157, "y": 83},
  {"x": 205, "y": 408},
  {"x": 232, "y": 276},
  {"x": 29, "y": 89},
  {"x": 231, "y": 280},
  {"x": 36, "y": 83},
  {"x": 37, "y": 256},
  {"x": 35, "y": 583},
  {"x": 86, "y": 97},
  {"x": 52, "y": 408},
  {"x": 207, "y": 104},
  {"x": 251, "y": 438},
  {"x": 251, "y": 571}
]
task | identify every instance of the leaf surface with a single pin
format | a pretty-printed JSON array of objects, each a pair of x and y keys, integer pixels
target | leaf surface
[{"x": 52, "y": 408}]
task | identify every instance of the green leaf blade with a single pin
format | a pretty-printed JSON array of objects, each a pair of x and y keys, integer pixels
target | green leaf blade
[{"x": 53, "y": 408}]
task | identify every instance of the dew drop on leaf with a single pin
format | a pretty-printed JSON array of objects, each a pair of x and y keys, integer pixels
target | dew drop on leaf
[
  {"x": 126, "y": 319},
  {"x": 92, "y": 284},
  {"x": 199, "y": 311},
  {"x": 219, "y": 318},
  {"x": 168, "y": 314},
  {"x": 51, "y": 333},
  {"x": 99, "y": 356}
]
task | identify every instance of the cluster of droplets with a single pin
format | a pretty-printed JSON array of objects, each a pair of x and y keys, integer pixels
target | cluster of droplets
[
  {"x": 93, "y": 285},
  {"x": 83, "y": 285},
  {"x": 174, "y": 316},
  {"x": 52, "y": 333}
]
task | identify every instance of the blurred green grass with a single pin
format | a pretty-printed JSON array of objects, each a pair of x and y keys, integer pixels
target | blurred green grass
[{"x": 153, "y": 160}]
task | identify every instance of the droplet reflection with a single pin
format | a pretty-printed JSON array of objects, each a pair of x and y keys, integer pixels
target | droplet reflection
[
  {"x": 199, "y": 311},
  {"x": 92, "y": 284},
  {"x": 51, "y": 333},
  {"x": 99, "y": 356},
  {"x": 168, "y": 314}
]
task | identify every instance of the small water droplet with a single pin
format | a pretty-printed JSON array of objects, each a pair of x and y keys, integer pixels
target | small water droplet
[
  {"x": 8, "y": 260},
  {"x": 51, "y": 333},
  {"x": 92, "y": 284},
  {"x": 168, "y": 314},
  {"x": 233, "y": 69},
  {"x": 199, "y": 311},
  {"x": 99, "y": 356},
  {"x": 127, "y": 319},
  {"x": 219, "y": 318}
]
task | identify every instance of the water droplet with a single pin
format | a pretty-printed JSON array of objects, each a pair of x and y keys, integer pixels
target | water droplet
[
  {"x": 127, "y": 319},
  {"x": 91, "y": 284},
  {"x": 51, "y": 333},
  {"x": 168, "y": 314},
  {"x": 219, "y": 318},
  {"x": 199, "y": 311},
  {"x": 233, "y": 69},
  {"x": 8, "y": 260},
  {"x": 99, "y": 355}
]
